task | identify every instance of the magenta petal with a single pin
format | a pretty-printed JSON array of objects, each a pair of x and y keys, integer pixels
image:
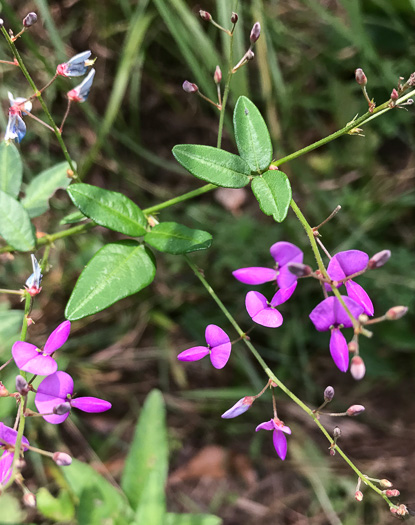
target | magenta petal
[
  {"x": 6, "y": 462},
  {"x": 41, "y": 365},
  {"x": 9, "y": 435},
  {"x": 285, "y": 252},
  {"x": 280, "y": 443},
  {"x": 240, "y": 407},
  {"x": 91, "y": 404},
  {"x": 283, "y": 295},
  {"x": 215, "y": 336},
  {"x": 356, "y": 292},
  {"x": 267, "y": 425},
  {"x": 340, "y": 313},
  {"x": 351, "y": 261},
  {"x": 23, "y": 353},
  {"x": 58, "y": 385},
  {"x": 330, "y": 312},
  {"x": 286, "y": 429},
  {"x": 45, "y": 405},
  {"x": 255, "y": 302},
  {"x": 193, "y": 354},
  {"x": 339, "y": 350},
  {"x": 57, "y": 338},
  {"x": 255, "y": 275},
  {"x": 285, "y": 278},
  {"x": 269, "y": 317},
  {"x": 220, "y": 354},
  {"x": 335, "y": 272}
]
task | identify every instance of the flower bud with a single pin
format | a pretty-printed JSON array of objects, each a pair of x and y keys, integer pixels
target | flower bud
[
  {"x": 62, "y": 459},
  {"x": 1, "y": 22},
  {"x": 204, "y": 15},
  {"x": 353, "y": 346},
  {"x": 62, "y": 408},
  {"x": 379, "y": 259},
  {"x": 217, "y": 77},
  {"x": 357, "y": 368},
  {"x": 385, "y": 484},
  {"x": 332, "y": 452},
  {"x": 402, "y": 510},
  {"x": 299, "y": 269},
  {"x": 360, "y": 77},
  {"x": 396, "y": 312},
  {"x": 391, "y": 493},
  {"x": 249, "y": 54},
  {"x": 355, "y": 410},
  {"x": 21, "y": 385},
  {"x": 255, "y": 32},
  {"x": 328, "y": 393},
  {"x": 29, "y": 500},
  {"x": 239, "y": 408},
  {"x": 189, "y": 87},
  {"x": 363, "y": 318},
  {"x": 30, "y": 19},
  {"x": 358, "y": 495},
  {"x": 3, "y": 390},
  {"x": 394, "y": 95},
  {"x": 234, "y": 18},
  {"x": 337, "y": 432}
]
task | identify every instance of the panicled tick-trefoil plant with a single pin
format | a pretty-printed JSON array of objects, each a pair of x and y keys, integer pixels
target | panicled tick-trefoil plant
[{"x": 121, "y": 268}]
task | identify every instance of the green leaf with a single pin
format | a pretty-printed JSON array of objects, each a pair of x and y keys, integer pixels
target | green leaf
[
  {"x": 273, "y": 192},
  {"x": 192, "y": 519},
  {"x": 76, "y": 216},
  {"x": 109, "y": 208},
  {"x": 43, "y": 186},
  {"x": 57, "y": 509},
  {"x": 118, "y": 270},
  {"x": 15, "y": 225},
  {"x": 10, "y": 326},
  {"x": 171, "y": 237},
  {"x": 148, "y": 455},
  {"x": 11, "y": 169},
  {"x": 213, "y": 165},
  {"x": 251, "y": 135},
  {"x": 152, "y": 506},
  {"x": 108, "y": 501},
  {"x": 10, "y": 510}
]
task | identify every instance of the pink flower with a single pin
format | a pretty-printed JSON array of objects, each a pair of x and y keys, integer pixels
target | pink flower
[
  {"x": 278, "y": 436},
  {"x": 265, "y": 313},
  {"x": 218, "y": 346},
  {"x": 7, "y": 441}
]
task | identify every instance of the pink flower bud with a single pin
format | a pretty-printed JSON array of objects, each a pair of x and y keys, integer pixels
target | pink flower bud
[
  {"x": 62, "y": 459},
  {"x": 394, "y": 94},
  {"x": 255, "y": 32},
  {"x": 205, "y": 15},
  {"x": 62, "y": 408},
  {"x": 29, "y": 500},
  {"x": 239, "y": 408},
  {"x": 360, "y": 77},
  {"x": 234, "y": 18},
  {"x": 30, "y": 19},
  {"x": 337, "y": 432},
  {"x": 385, "y": 484},
  {"x": 189, "y": 87},
  {"x": 328, "y": 393},
  {"x": 379, "y": 259},
  {"x": 217, "y": 77},
  {"x": 249, "y": 54},
  {"x": 357, "y": 368},
  {"x": 299, "y": 269},
  {"x": 332, "y": 452},
  {"x": 396, "y": 312},
  {"x": 355, "y": 410},
  {"x": 3, "y": 390},
  {"x": 402, "y": 510},
  {"x": 21, "y": 385},
  {"x": 391, "y": 493},
  {"x": 353, "y": 346},
  {"x": 358, "y": 495}
]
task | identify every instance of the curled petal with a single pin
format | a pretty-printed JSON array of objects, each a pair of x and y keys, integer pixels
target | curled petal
[
  {"x": 215, "y": 336},
  {"x": 283, "y": 295},
  {"x": 257, "y": 307},
  {"x": 57, "y": 338},
  {"x": 193, "y": 354},
  {"x": 330, "y": 312},
  {"x": 280, "y": 443},
  {"x": 266, "y": 425},
  {"x": 9, "y": 435},
  {"x": 285, "y": 252},
  {"x": 238, "y": 408},
  {"x": 91, "y": 404},
  {"x": 356, "y": 292},
  {"x": 339, "y": 350},
  {"x": 58, "y": 385},
  {"x": 255, "y": 275},
  {"x": 219, "y": 355}
]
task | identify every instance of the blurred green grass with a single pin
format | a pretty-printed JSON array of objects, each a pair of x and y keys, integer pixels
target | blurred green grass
[{"x": 303, "y": 81}]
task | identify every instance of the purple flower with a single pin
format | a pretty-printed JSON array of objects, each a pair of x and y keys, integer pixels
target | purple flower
[
  {"x": 278, "y": 437},
  {"x": 80, "y": 93},
  {"x": 283, "y": 253},
  {"x": 35, "y": 361},
  {"x": 240, "y": 407},
  {"x": 56, "y": 390},
  {"x": 218, "y": 346},
  {"x": 347, "y": 263},
  {"x": 7, "y": 441},
  {"x": 76, "y": 66},
  {"x": 265, "y": 313},
  {"x": 32, "y": 284},
  {"x": 330, "y": 315},
  {"x": 16, "y": 128}
]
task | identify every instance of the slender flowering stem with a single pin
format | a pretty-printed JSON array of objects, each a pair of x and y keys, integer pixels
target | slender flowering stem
[
  {"x": 28, "y": 303},
  {"x": 18, "y": 444},
  {"x": 38, "y": 95},
  {"x": 281, "y": 385},
  {"x": 225, "y": 93},
  {"x": 181, "y": 198},
  {"x": 14, "y": 292}
]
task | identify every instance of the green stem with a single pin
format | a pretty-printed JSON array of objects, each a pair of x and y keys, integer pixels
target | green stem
[
  {"x": 14, "y": 292},
  {"x": 39, "y": 97},
  {"x": 225, "y": 93},
  {"x": 281, "y": 385},
  {"x": 27, "y": 305},
  {"x": 181, "y": 198}
]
